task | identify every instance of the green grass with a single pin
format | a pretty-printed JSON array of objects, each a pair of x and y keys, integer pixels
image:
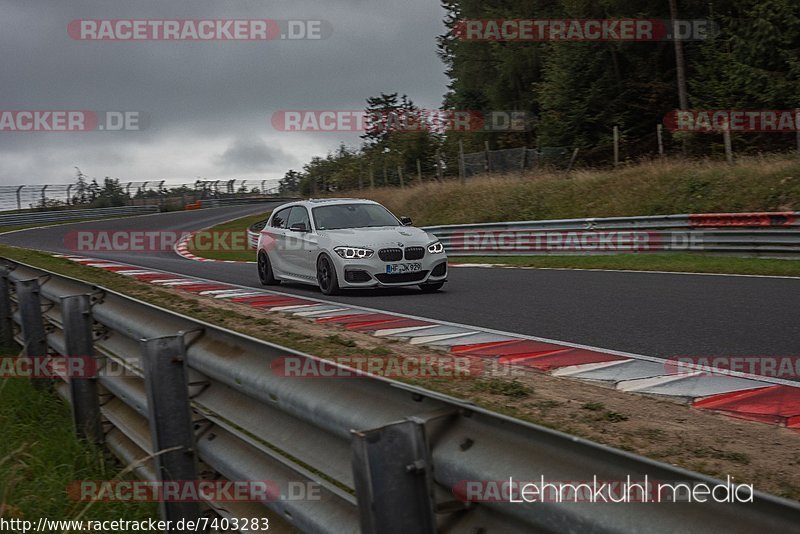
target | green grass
[
  {"x": 40, "y": 456},
  {"x": 690, "y": 263},
  {"x": 649, "y": 188},
  {"x": 235, "y": 240}
]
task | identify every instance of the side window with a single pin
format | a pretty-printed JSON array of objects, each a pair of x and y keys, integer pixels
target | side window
[
  {"x": 299, "y": 215},
  {"x": 279, "y": 219}
]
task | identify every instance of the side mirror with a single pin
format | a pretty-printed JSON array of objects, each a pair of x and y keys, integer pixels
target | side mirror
[
  {"x": 406, "y": 221},
  {"x": 298, "y": 227}
]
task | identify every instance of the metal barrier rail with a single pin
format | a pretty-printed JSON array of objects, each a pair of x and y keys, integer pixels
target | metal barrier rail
[
  {"x": 20, "y": 219},
  {"x": 773, "y": 234},
  {"x": 221, "y": 202},
  {"x": 386, "y": 456}
]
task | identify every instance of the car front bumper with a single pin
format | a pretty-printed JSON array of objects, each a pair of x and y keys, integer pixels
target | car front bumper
[{"x": 354, "y": 273}]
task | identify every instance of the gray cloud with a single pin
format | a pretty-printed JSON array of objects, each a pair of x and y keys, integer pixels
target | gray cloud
[
  {"x": 250, "y": 155},
  {"x": 198, "y": 96}
]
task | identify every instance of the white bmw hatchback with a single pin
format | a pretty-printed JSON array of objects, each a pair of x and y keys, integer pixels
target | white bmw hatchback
[{"x": 348, "y": 243}]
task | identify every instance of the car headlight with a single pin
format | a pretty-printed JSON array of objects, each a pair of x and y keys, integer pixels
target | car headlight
[
  {"x": 353, "y": 253},
  {"x": 436, "y": 248}
]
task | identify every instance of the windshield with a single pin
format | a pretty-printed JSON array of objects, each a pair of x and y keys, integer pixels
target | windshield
[{"x": 341, "y": 216}]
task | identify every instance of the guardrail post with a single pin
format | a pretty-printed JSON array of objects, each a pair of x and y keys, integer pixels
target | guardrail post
[
  {"x": 393, "y": 477},
  {"x": 6, "y": 319},
  {"x": 34, "y": 338},
  {"x": 166, "y": 384},
  {"x": 77, "y": 313}
]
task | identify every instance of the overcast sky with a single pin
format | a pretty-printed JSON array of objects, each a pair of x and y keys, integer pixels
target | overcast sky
[{"x": 208, "y": 104}]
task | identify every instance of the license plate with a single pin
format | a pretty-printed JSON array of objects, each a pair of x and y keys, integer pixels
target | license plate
[{"x": 396, "y": 268}]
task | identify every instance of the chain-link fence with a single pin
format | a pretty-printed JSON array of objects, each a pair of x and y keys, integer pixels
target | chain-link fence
[
  {"x": 514, "y": 160},
  {"x": 154, "y": 192}
]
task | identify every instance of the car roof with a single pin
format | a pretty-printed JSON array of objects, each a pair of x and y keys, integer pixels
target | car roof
[{"x": 316, "y": 202}]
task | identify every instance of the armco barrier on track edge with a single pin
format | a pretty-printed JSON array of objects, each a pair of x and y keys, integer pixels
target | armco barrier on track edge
[{"x": 401, "y": 425}]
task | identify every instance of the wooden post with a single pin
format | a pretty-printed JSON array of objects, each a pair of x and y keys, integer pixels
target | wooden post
[
  {"x": 419, "y": 170},
  {"x": 726, "y": 135},
  {"x": 400, "y": 174},
  {"x": 385, "y": 176},
  {"x": 486, "y": 165},
  {"x": 371, "y": 177},
  {"x": 572, "y": 160},
  {"x": 660, "y": 135},
  {"x": 616, "y": 146}
]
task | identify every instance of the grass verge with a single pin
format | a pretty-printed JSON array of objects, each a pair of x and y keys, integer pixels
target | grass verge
[
  {"x": 686, "y": 263},
  {"x": 40, "y": 456},
  {"x": 226, "y": 241},
  {"x": 648, "y": 188}
]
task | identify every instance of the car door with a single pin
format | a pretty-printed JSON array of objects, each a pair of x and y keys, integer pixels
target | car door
[
  {"x": 301, "y": 244},
  {"x": 272, "y": 239}
]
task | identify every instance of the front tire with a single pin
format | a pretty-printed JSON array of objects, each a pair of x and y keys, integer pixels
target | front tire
[
  {"x": 431, "y": 288},
  {"x": 326, "y": 276},
  {"x": 265, "y": 273}
]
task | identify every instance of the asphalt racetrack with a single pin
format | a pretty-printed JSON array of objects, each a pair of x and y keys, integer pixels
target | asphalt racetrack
[{"x": 645, "y": 313}]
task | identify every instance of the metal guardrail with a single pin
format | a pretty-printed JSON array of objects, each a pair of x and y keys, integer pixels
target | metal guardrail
[
  {"x": 21, "y": 219},
  {"x": 771, "y": 234},
  {"x": 222, "y": 202},
  {"x": 386, "y": 456}
]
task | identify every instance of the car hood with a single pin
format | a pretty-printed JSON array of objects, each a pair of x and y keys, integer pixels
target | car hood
[{"x": 384, "y": 236}]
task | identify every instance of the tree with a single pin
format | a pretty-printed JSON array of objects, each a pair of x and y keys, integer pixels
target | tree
[{"x": 290, "y": 183}]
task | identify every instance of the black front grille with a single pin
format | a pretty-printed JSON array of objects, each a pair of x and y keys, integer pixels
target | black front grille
[
  {"x": 415, "y": 253},
  {"x": 440, "y": 270},
  {"x": 356, "y": 277},
  {"x": 403, "y": 278},
  {"x": 390, "y": 254}
]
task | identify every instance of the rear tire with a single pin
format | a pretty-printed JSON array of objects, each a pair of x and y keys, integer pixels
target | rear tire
[
  {"x": 431, "y": 288},
  {"x": 265, "y": 273},
  {"x": 327, "y": 279}
]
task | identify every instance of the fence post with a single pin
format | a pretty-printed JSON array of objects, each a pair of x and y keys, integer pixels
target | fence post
[
  {"x": 462, "y": 172},
  {"x": 486, "y": 164},
  {"x": 392, "y": 465},
  {"x": 616, "y": 146},
  {"x": 371, "y": 177},
  {"x": 77, "y": 313},
  {"x": 400, "y": 174},
  {"x": 797, "y": 126},
  {"x": 726, "y": 137},
  {"x": 419, "y": 171},
  {"x": 6, "y": 319},
  {"x": 34, "y": 339},
  {"x": 660, "y": 135},
  {"x": 572, "y": 159},
  {"x": 169, "y": 414},
  {"x": 19, "y": 198}
]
